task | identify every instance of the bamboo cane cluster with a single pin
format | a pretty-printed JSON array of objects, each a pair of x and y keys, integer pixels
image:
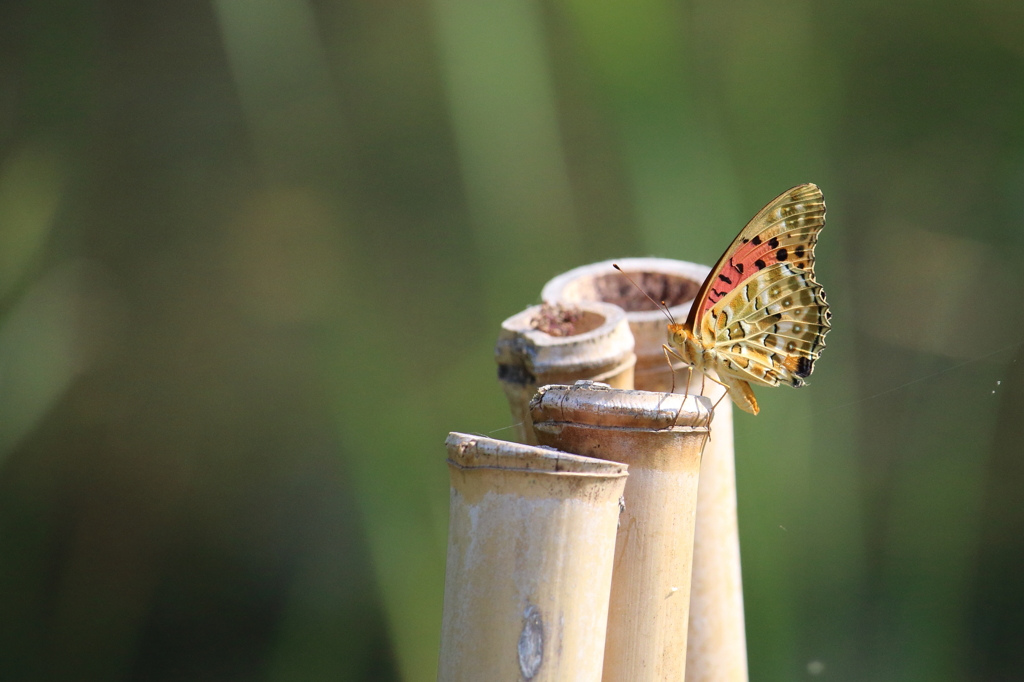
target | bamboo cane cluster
[{"x": 603, "y": 545}]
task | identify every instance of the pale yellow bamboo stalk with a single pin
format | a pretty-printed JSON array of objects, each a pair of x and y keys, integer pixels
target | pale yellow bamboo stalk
[
  {"x": 599, "y": 346},
  {"x": 530, "y": 545},
  {"x": 660, "y": 437},
  {"x": 717, "y": 645}
]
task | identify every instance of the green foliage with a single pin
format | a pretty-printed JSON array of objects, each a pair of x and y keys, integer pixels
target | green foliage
[{"x": 255, "y": 255}]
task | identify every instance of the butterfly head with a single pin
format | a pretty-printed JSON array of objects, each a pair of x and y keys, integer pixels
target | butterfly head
[{"x": 686, "y": 344}]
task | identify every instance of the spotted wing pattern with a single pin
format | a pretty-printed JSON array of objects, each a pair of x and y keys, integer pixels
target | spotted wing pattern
[
  {"x": 784, "y": 231},
  {"x": 760, "y": 310},
  {"x": 770, "y": 330}
]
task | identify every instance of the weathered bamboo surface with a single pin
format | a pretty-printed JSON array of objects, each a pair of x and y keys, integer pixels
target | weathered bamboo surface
[
  {"x": 531, "y": 541},
  {"x": 717, "y": 647},
  {"x": 597, "y": 346},
  {"x": 660, "y": 437}
]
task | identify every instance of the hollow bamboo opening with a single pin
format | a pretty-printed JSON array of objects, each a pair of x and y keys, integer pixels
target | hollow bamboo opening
[{"x": 538, "y": 347}]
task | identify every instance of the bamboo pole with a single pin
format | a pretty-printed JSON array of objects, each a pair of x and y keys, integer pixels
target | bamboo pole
[
  {"x": 672, "y": 281},
  {"x": 660, "y": 436},
  {"x": 530, "y": 545},
  {"x": 545, "y": 345},
  {"x": 717, "y": 645}
]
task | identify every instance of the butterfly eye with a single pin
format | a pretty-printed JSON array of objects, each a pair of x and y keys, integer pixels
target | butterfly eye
[
  {"x": 787, "y": 302},
  {"x": 797, "y": 328},
  {"x": 773, "y": 292},
  {"x": 791, "y": 346}
]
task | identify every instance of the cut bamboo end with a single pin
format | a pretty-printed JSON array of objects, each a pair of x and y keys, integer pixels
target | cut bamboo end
[
  {"x": 660, "y": 436},
  {"x": 675, "y": 282},
  {"x": 594, "y": 404},
  {"x": 531, "y": 541},
  {"x": 717, "y": 640},
  {"x": 597, "y": 346}
]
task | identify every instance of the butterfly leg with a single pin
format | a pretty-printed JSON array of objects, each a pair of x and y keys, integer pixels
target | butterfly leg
[
  {"x": 708, "y": 376},
  {"x": 717, "y": 381},
  {"x": 671, "y": 353},
  {"x": 725, "y": 393}
]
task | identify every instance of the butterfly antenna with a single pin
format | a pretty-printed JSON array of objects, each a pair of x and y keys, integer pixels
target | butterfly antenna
[
  {"x": 663, "y": 307},
  {"x": 668, "y": 312}
]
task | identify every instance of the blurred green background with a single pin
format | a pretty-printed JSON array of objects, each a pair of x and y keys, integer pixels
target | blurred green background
[{"x": 254, "y": 255}]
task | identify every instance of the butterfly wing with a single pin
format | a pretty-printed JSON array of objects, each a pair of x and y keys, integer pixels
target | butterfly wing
[
  {"x": 762, "y": 310},
  {"x": 772, "y": 329},
  {"x": 783, "y": 231}
]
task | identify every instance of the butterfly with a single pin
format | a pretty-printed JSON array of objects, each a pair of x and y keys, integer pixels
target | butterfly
[{"x": 760, "y": 317}]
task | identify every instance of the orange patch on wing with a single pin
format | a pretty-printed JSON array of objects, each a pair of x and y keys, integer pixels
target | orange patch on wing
[{"x": 749, "y": 259}]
